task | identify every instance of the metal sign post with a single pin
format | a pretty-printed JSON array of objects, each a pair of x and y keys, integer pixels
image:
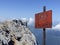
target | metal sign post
[
  {"x": 44, "y": 36},
  {"x": 44, "y": 31}
]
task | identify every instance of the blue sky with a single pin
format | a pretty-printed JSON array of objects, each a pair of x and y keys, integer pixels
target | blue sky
[{"x": 27, "y": 8}]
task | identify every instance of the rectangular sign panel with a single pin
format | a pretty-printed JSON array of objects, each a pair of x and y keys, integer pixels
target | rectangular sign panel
[{"x": 43, "y": 19}]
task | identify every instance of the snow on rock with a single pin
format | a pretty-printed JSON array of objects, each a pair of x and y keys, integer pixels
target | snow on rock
[{"x": 15, "y": 32}]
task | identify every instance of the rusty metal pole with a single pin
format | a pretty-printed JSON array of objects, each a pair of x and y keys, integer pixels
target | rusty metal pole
[{"x": 44, "y": 30}]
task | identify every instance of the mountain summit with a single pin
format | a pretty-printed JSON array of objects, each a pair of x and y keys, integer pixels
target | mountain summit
[{"x": 16, "y": 32}]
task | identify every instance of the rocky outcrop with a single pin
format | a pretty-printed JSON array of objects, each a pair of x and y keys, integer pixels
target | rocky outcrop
[{"x": 16, "y": 32}]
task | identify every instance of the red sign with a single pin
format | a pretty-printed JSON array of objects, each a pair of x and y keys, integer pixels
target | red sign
[{"x": 43, "y": 19}]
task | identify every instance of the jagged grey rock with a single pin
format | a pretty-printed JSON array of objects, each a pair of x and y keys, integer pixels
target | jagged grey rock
[{"x": 16, "y": 31}]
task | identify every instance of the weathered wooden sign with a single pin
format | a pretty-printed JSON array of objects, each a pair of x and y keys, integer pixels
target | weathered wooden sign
[{"x": 43, "y": 19}]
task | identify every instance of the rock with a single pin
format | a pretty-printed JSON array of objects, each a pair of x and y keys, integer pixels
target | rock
[{"x": 15, "y": 32}]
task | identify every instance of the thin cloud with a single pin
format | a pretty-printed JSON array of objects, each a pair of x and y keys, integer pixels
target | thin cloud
[
  {"x": 31, "y": 20},
  {"x": 24, "y": 19},
  {"x": 57, "y": 27}
]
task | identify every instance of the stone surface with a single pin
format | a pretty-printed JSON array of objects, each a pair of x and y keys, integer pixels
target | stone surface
[{"x": 16, "y": 32}]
